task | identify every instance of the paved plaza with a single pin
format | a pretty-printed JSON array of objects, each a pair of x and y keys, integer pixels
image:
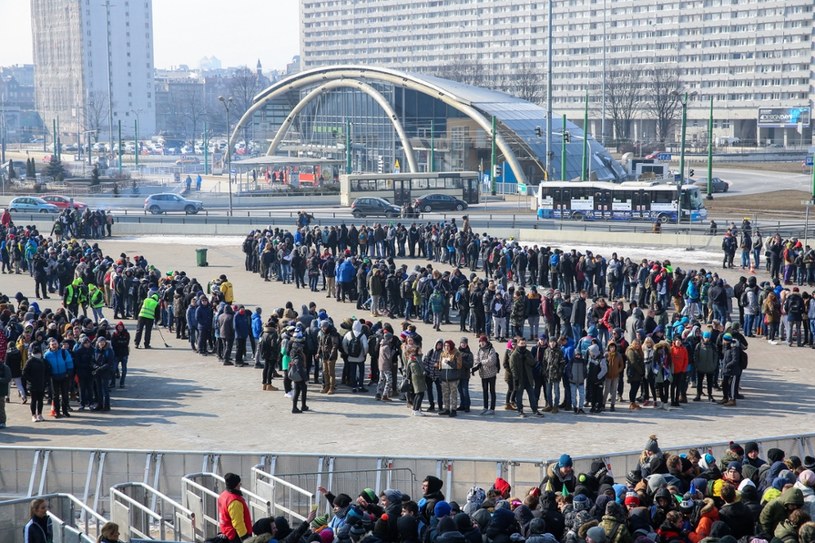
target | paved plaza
[{"x": 177, "y": 400}]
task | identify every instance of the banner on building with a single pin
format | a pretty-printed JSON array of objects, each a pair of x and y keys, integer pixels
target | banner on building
[{"x": 783, "y": 117}]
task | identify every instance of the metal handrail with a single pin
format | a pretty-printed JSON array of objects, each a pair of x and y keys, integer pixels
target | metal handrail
[
  {"x": 254, "y": 500},
  {"x": 76, "y": 502},
  {"x": 115, "y": 492},
  {"x": 258, "y": 473}
]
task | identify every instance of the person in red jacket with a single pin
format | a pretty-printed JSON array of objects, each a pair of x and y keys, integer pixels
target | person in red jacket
[
  {"x": 234, "y": 520},
  {"x": 679, "y": 358}
]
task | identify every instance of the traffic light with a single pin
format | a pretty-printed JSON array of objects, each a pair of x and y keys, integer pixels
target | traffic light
[
  {"x": 690, "y": 173},
  {"x": 567, "y": 137},
  {"x": 538, "y": 131},
  {"x": 496, "y": 171}
]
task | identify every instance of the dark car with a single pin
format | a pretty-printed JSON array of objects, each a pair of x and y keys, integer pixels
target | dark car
[
  {"x": 439, "y": 202},
  {"x": 719, "y": 184},
  {"x": 374, "y": 207}
]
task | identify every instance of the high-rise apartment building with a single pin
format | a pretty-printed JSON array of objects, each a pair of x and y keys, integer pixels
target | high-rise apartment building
[
  {"x": 94, "y": 65},
  {"x": 744, "y": 54}
]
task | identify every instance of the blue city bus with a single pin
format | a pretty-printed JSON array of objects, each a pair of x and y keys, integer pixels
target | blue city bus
[{"x": 627, "y": 201}]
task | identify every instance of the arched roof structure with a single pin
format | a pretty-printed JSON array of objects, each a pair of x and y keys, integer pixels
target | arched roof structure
[{"x": 517, "y": 120}]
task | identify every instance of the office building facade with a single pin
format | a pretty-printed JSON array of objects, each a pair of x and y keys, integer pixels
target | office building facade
[
  {"x": 94, "y": 65},
  {"x": 747, "y": 55}
]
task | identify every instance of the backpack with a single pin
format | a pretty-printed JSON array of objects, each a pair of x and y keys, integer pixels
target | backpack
[
  {"x": 796, "y": 305},
  {"x": 554, "y": 260},
  {"x": 745, "y": 301},
  {"x": 354, "y": 346},
  {"x": 649, "y": 281},
  {"x": 743, "y": 360}
]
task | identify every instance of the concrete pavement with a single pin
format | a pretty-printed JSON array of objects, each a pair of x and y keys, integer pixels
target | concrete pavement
[{"x": 178, "y": 400}]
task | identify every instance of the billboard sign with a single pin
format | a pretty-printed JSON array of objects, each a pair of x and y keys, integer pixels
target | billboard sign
[{"x": 782, "y": 117}]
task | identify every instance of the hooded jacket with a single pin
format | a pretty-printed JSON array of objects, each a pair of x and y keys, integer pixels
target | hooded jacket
[{"x": 776, "y": 511}]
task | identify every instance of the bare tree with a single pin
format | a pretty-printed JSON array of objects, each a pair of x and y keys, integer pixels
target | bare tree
[
  {"x": 243, "y": 86},
  {"x": 469, "y": 72},
  {"x": 96, "y": 113},
  {"x": 623, "y": 96},
  {"x": 662, "y": 92},
  {"x": 195, "y": 111},
  {"x": 526, "y": 83}
]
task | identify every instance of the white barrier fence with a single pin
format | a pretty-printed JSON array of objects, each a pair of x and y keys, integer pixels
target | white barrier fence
[
  {"x": 142, "y": 511},
  {"x": 286, "y": 498},
  {"x": 72, "y": 521},
  {"x": 285, "y": 483},
  {"x": 199, "y": 493}
]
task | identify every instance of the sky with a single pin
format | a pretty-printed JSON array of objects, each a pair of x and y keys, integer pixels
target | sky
[{"x": 187, "y": 30}]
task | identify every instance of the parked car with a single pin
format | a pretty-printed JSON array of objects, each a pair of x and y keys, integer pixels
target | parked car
[
  {"x": 719, "y": 184},
  {"x": 63, "y": 202},
  {"x": 31, "y": 204},
  {"x": 167, "y": 202},
  {"x": 374, "y": 207},
  {"x": 439, "y": 202}
]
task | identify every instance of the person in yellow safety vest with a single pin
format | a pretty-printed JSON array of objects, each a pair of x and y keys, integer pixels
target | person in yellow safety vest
[
  {"x": 147, "y": 316},
  {"x": 70, "y": 297},
  {"x": 97, "y": 301},
  {"x": 226, "y": 290}
]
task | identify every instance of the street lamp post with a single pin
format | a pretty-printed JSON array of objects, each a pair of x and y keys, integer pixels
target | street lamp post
[
  {"x": 227, "y": 102},
  {"x": 683, "y": 98}
]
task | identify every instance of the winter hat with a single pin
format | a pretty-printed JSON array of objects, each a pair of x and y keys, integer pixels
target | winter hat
[
  {"x": 750, "y": 446},
  {"x": 319, "y": 523},
  {"x": 393, "y": 495},
  {"x": 775, "y": 455},
  {"x": 262, "y": 526},
  {"x": 434, "y": 484},
  {"x": 327, "y": 535},
  {"x": 442, "y": 509},
  {"x": 369, "y": 495},
  {"x": 502, "y": 486},
  {"x": 580, "y": 502},
  {"x": 734, "y": 465},
  {"x": 736, "y": 448},
  {"x": 537, "y": 526},
  {"x": 727, "y": 338},
  {"x": 652, "y": 445},
  {"x": 342, "y": 500},
  {"x": 596, "y": 534},
  {"x": 232, "y": 480},
  {"x": 593, "y": 331},
  {"x": 719, "y": 529},
  {"x": 631, "y": 498},
  {"x": 565, "y": 461},
  {"x": 809, "y": 463},
  {"x": 686, "y": 505}
]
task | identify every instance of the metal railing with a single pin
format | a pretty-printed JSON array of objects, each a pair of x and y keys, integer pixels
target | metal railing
[
  {"x": 286, "y": 498},
  {"x": 131, "y": 509},
  {"x": 199, "y": 493},
  {"x": 66, "y": 512},
  {"x": 281, "y": 478}
]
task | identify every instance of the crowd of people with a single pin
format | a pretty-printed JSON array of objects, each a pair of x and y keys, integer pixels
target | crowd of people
[
  {"x": 576, "y": 325},
  {"x": 690, "y": 497},
  {"x": 566, "y": 329}
]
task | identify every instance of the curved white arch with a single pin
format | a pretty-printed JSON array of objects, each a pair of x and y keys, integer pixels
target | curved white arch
[
  {"x": 367, "y": 89},
  {"x": 385, "y": 75}
]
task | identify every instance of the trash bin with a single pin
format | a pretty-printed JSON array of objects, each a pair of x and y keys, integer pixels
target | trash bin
[{"x": 201, "y": 257}]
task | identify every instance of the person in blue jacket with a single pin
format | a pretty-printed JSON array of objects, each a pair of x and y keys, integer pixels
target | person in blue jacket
[
  {"x": 62, "y": 368},
  {"x": 254, "y": 337},
  {"x": 192, "y": 323},
  {"x": 346, "y": 273}
]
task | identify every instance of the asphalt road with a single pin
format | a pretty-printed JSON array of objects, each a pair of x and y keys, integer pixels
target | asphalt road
[{"x": 758, "y": 181}]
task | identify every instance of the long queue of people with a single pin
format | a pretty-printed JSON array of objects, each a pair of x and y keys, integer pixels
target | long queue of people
[
  {"x": 748, "y": 495},
  {"x": 560, "y": 341}
]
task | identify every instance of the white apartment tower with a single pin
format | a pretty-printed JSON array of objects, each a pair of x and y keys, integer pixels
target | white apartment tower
[
  {"x": 744, "y": 54},
  {"x": 93, "y": 64}
]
